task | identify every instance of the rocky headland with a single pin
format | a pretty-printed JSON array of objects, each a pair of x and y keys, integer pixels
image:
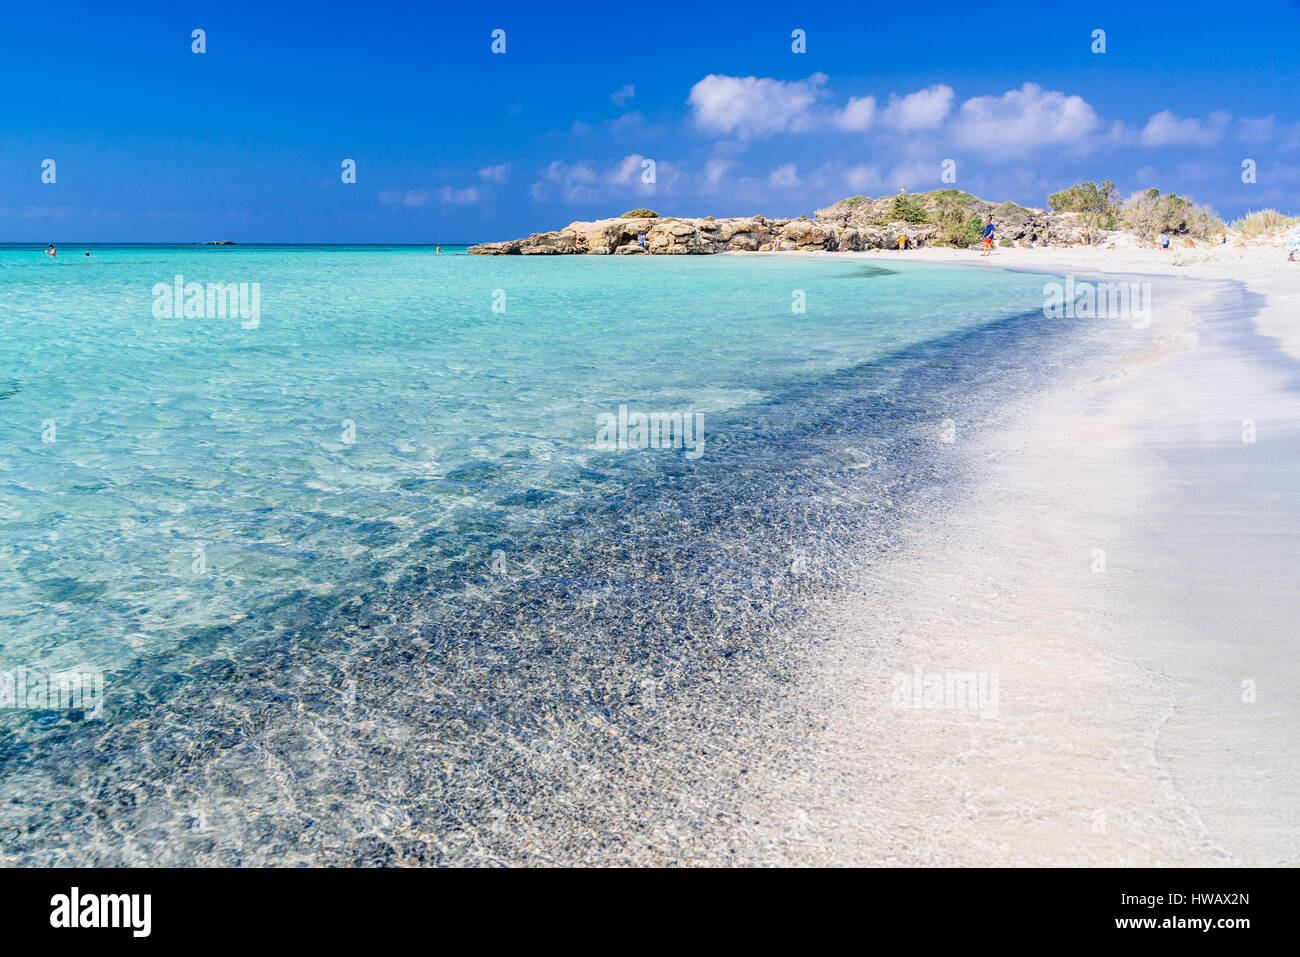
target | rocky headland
[{"x": 941, "y": 217}]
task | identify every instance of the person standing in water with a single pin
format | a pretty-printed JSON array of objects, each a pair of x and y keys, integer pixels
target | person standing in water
[
  {"x": 50, "y": 250},
  {"x": 437, "y": 250}
]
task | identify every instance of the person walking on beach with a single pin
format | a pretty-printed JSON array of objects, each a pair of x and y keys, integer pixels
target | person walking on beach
[
  {"x": 1164, "y": 240},
  {"x": 988, "y": 238}
]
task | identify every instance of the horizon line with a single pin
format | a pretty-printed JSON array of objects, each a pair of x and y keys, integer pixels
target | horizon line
[{"x": 37, "y": 243}]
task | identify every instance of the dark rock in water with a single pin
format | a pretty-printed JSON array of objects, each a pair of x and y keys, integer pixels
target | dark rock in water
[{"x": 218, "y": 242}]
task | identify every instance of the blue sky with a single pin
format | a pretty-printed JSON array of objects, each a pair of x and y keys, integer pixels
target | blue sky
[{"x": 453, "y": 143}]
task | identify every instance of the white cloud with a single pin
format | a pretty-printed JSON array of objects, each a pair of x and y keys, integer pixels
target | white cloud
[
  {"x": 622, "y": 96},
  {"x": 631, "y": 170},
  {"x": 628, "y": 170},
  {"x": 575, "y": 182},
  {"x": 405, "y": 197},
  {"x": 582, "y": 172},
  {"x": 495, "y": 174},
  {"x": 421, "y": 197},
  {"x": 915, "y": 175},
  {"x": 1257, "y": 129},
  {"x": 923, "y": 110},
  {"x": 1023, "y": 119},
  {"x": 1165, "y": 129},
  {"x": 750, "y": 106},
  {"x": 627, "y": 122},
  {"x": 461, "y": 197},
  {"x": 58, "y": 212},
  {"x": 863, "y": 178},
  {"x": 784, "y": 177},
  {"x": 753, "y": 107},
  {"x": 583, "y": 182},
  {"x": 715, "y": 169},
  {"x": 858, "y": 113}
]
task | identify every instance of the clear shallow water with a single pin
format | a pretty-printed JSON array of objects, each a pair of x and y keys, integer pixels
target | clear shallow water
[{"x": 352, "y": 677}]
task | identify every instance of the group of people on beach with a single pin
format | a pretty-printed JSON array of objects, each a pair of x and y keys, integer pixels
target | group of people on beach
[{"x": 907, "y": 242}]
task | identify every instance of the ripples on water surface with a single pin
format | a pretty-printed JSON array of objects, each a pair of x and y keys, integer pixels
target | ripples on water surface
[{"x": 353, "y": 678}]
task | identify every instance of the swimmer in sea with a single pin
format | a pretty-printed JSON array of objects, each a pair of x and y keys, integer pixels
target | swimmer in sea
[
  {"x": 437, "y": 251},
  {"x": 50, "y": 251}
]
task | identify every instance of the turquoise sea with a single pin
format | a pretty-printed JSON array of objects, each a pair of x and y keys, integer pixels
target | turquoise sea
[{"x": 362, "y": 585}]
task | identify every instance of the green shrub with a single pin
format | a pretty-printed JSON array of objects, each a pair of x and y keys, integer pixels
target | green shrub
[
  {"x": 957, "y": 227},
  {"x": 1149, "y": 214},
  {"x": 970, "y": 232},
  {"x": 1087, "y": 198},
  {"x": 950, "y": 195},
  {"x": 1011, "y": 211},
  {"x": 640, "y": 214},
  {"x": 907, "y": 210},
  {"x": 1099, "y": 207}
]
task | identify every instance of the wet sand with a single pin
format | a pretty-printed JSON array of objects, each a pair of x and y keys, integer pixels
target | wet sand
[{"x": 1126, "y": 569}]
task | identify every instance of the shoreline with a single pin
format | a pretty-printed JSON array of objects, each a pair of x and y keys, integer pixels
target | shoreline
[
  {"x": 1263, "y": 268},
  {"x": 611, "y": 697},
  {"x": 1123, "y": 735},
  {"x": 696, "y": 667}
]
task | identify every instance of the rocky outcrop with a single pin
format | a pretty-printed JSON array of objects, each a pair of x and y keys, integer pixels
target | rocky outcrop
[
  {"x": 674, "y": 236},
  {"x": 946, "y": 212},
  {"x": 940, "y": 217},
  {"x": 663, "y": 236}
]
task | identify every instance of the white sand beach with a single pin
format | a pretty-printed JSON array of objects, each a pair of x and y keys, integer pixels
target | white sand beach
[{"x": 1126, "y": 571}]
